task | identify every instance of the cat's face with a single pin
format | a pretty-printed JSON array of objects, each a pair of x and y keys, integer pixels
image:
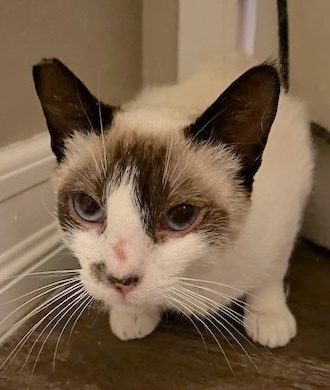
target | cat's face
[
  {"x": 134, "y": 206},
  {"x": 141, "y": 209}
]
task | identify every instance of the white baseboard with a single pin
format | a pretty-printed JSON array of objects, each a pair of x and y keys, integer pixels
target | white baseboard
[
  {"x": 25, "y": 164},
  {"x": 26, "y": 198},
  {"x": 30, "y": 240},
  {"x": 26, "y": 253}
]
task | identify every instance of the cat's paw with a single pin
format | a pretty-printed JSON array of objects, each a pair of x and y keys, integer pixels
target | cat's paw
[
  {"x": 272, "y": 329},
  {"x": 127, "y": 325}
]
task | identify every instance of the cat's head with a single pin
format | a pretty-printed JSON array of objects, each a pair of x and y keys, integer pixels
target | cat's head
[{"x": 140, "y": 208}]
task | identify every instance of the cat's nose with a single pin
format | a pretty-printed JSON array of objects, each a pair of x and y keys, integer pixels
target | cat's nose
[
  {"x": 124, "y": 289},
  {"x": 129, "y": 281}
]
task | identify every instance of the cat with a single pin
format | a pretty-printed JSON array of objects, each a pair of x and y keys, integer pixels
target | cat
[{"x": 186, "y": 198}]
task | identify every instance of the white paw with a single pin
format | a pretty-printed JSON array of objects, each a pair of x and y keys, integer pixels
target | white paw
[
  {"x": 272, "y": 329},
  {"x": 127, "y": 325}
]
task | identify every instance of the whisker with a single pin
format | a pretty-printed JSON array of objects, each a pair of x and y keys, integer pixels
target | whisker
[
  {"x": 175, "y": 184},
  {"x": 85, "y": 178},
  {"x": 167, "y": 162},
  {"x": 94, "y": 322},
  {"x": 65, "y": 311},
  {"x": 207, "y": 319},
  {"x": 48, "y": 257},
  {"x": 57, "y": 283},
  {"x": 65, "y": 283},
  {"x": 79, "y": 315},
  {"x": 85, "y": 302},
  {"x": 188, "y": 309},
  {"x": 189, "y": 299},
  {"x": 189, "y": 318},
  {"x": 64, "y": 274},
  {"x": 85, "y": 112},
  {"x": 206, "y": 124},
  {"x": 52, "y": 214},
  {"x": 42, "y": 273},
  {"x": 105, "y": 162},
  {"x": 230, "y": 312},
  {"x": 217, "y": 313},
  {"x": 97, "y": 166},
  {"x": 92, "y": 129},
  {"x": 222, "y": 285},
  {"x": 238, "y": 302},
  {"x": 41, "y": 307},
  {"x": 174, "y": 172}
]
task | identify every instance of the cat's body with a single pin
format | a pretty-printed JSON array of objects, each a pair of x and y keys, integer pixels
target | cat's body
[{"x": 150, "y": 162}]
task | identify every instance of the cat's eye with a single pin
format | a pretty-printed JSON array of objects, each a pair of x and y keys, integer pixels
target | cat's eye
[
  {"x": 87, "y": 207},
  {"x": 181, "y": 217}
]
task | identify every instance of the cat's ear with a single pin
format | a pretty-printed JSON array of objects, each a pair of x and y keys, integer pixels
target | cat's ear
[
  {"x": 67, "y": 104},
  {"x": 242, "y": 117}
]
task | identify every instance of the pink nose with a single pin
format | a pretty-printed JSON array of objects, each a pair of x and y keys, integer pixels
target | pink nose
[
  {"x": 125, "y": 285},
  {"x": 124, "y": 289}
]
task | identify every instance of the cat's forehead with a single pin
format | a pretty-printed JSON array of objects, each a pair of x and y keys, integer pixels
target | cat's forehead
[
  {"x": 139, "y": 139},
  {"x": 159, "y": 171},
  {"x": 167, "y": 169},
  {"x": 114, "y": 153}
]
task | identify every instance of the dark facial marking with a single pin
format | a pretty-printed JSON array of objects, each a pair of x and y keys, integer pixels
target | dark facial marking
[
  {"x": 155, "y": 198},
  {"x": 79, "y": 181},
  {"x": 147, "y": 159},
  {"x": 98, "y": 271},
  {"x": 65, "y": 214}
]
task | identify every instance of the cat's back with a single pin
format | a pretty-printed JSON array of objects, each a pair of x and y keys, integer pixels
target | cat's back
[{"x": 190, "y": 97}]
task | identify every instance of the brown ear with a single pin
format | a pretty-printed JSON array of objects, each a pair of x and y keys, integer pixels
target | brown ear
[
  {"x": 242, "y": 117},
  {"x": 67, "y": 104}
]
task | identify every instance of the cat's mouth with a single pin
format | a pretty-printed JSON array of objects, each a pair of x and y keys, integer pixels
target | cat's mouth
[{"x": 124, "y": 286}]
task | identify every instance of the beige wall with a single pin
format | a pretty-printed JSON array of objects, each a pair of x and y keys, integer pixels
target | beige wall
[
  {"x": 309, "y": 33},
  {"x": 207, "y": 29},
  {"x": 180, "y": 34},
  {"x": 160, "y": 41},
  {"x": 97, "y": 39},
  {"x": 266, "y": 34},
  {"x": 310, "y": 56}
]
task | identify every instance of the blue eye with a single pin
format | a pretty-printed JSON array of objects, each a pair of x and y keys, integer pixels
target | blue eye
[
  {"x": 181, "y": 217},
  {"x": 87, "y": 208}
]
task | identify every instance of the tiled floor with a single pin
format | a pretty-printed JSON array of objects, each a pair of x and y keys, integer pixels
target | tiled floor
[{"x": 174, "y": 357}]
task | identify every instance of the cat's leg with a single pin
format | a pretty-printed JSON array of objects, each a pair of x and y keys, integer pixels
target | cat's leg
[
  {"x": 267, "y": 318},
  {"x": 134, "y": 322}
]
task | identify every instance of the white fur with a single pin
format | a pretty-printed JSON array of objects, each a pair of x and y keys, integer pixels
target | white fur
[{"x": 258, "y": 260}]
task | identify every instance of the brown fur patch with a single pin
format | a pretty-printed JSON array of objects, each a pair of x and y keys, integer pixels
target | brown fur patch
[{"x": 166, "y": 172}]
